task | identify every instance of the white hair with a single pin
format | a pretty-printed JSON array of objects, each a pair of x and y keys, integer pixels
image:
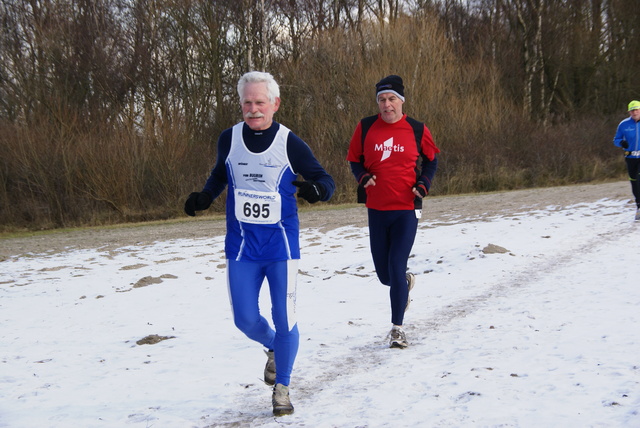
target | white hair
[{"x": 273, "y": 90}]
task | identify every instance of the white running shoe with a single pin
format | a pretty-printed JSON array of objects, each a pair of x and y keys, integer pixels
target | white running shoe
[
  {"x": 270, "y": 369},
  {"x": 281, "y": 401},
  {"x": 411, "y": 281},
  {"x": 397, "y": 338}
]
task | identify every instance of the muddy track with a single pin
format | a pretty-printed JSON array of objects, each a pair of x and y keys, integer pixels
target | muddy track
[{"x": 473, "y": 207}]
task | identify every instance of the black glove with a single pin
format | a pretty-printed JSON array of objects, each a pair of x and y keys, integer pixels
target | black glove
[
  {"x": 309, "y": 190},
  {"x": 365, "y": 179},
  {"x": 624, "y": 144},
  {"x": 197, "y": 201},
  {"x": 421, "y": 188}
]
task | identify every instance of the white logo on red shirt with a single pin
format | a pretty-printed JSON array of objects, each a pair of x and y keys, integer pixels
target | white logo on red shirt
[{"x": 387, "y": 148}]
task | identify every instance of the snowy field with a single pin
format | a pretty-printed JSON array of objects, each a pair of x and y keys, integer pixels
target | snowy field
[{"x": 524, "y": 320}]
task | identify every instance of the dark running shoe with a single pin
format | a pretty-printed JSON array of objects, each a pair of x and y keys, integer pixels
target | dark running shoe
[
  {"x": 397, "y": 338},
  {"x": 411, "y": 281},
  {"x": 270, "y": 369}
]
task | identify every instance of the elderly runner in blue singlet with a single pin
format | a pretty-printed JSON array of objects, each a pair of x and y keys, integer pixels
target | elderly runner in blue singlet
[{"x": 260, "y": 159}]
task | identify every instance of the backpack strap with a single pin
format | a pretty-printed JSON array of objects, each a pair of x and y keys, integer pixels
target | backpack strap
[
  {"x": 418, "y": 130},
  {"x": 365, "y": 124}
]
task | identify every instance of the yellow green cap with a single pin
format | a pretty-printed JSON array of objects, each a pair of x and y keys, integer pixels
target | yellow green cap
[{"x": 634, "y": 105}]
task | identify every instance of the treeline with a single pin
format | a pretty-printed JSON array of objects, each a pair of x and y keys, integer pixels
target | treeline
[{"x": 110, "y": 109}]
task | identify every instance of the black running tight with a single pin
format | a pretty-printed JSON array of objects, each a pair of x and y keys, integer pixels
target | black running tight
[{"x": 633, "y": 167}]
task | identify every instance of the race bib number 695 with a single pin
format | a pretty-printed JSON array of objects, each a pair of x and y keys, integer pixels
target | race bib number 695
[{"x": 253, "y": 206}]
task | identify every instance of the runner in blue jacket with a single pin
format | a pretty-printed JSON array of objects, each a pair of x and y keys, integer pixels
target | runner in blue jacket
[
  {"x": 260, "y": 159},
  {"x": 628, "y": 137}
]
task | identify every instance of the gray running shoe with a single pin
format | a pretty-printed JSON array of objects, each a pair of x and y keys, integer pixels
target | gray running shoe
[
  {"x": 270, "y": 369},
  {"x": 638, "y": 214},
  {"x": 397, "y": 338},
  {"x": 411, "y": 281},
  {"x": 280, "y": 400}
]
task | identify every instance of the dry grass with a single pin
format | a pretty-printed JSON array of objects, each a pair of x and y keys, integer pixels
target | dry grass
[{"x": 59, "y": 170}]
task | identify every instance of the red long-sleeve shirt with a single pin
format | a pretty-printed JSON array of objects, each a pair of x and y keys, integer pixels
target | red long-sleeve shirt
[{"x": 391, "y": 154}]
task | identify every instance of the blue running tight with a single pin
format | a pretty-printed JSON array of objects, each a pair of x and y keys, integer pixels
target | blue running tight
[
  {"x": 392, "y": 234},
  {"x": 633, "y": 168},
  {"x": 244, "y": 280}
]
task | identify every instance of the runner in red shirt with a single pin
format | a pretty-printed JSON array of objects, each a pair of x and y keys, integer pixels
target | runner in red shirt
[{"x": 395, "y": 175}]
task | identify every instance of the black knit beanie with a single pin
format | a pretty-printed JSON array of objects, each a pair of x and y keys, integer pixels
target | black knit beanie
[{"x": 392, "y": 84}]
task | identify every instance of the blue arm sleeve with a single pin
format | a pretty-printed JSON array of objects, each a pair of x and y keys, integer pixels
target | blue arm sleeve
[
  {"x": 620, "y": 135},
  {"x": 218, "y": 179},
  {"x": 428, "y": 170},
  {"x": 358, "y": 170},
  {"x": 304, "y": 163}
]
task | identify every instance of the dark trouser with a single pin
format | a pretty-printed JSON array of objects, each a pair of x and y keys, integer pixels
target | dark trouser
[
  {"x": 633, "y": 167},
  {"x": 392, "y": 234}
]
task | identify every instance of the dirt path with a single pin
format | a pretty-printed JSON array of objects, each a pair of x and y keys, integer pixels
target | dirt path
[{"x": 443, "y": 208}]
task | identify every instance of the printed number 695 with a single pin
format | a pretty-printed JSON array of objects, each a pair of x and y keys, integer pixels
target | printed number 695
[{"x": 256, "y": 210}]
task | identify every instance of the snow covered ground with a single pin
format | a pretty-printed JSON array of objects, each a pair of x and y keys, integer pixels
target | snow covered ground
[{"x": 542, "y": 332}]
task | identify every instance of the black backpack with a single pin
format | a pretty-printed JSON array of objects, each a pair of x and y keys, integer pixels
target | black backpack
[{"x": 418, "y": 129}]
